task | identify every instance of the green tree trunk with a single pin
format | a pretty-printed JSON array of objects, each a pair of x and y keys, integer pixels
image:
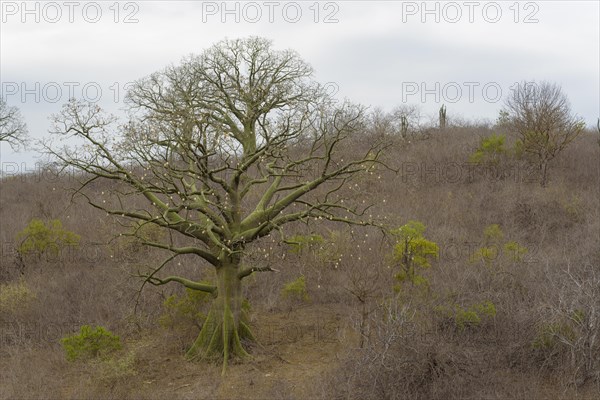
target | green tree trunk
[{"x": 226, "y": 324}]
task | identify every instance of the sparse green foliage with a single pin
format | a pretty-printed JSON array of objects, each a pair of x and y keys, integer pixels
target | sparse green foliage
[
  {"x": 466, "y": 318},
  {"x": 41, "y": 237},
  {"x": 413, "y": 251},
  {"x": 15, "y": 297},
  {"x": 578, "y": 316},
  {"x": 486, "y": 309},
  {"x": 573, "y": 207},
  {"x": 188, "y": 310},
  {"x": 90, "y": 343},
  {"x": 494, "y": 248},
  {"x": 514, "y": 251},
  {"x": 563, "y": 330},
  {"x": 298, "y": 243},
  {"x": 118, "y": 367},
  {"x": 470, "y": 317},
  {"x": 487, "y": 254},
  {"x": 519, "y": 149},
  {"x": 549, "y": 335},
  {"x": 331, "y": 251},
  {"x": 141, "y": 233},
  {"x": 490, "y": 151},
  {"x": 325, "y": 250},
  {"x": 493, "y": 233},
  {"x": 295, "y": 290}
]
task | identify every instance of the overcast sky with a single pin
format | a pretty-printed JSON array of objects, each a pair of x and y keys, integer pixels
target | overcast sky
[{"x": 467, "y": 55}]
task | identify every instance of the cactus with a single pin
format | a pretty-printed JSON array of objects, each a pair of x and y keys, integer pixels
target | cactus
[
  {"x": 404, "y": 126},
  {"x": 442, "y": 117}
]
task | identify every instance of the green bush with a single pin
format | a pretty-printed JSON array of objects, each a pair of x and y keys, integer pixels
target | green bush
[
  {"x": 295, "y": 290},
  {"x": 40, "y": 237},
  {"x": 486, "y": 309},
  {"x": 90, "y": 343},
  {"x": 466, "y": 318},
  {"x": 15, "y": 297}
]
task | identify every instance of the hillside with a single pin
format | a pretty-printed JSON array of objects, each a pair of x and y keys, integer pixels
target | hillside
[{"x": 523, "y": 322}]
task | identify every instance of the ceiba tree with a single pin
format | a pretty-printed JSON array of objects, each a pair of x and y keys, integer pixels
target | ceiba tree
[{"x": 221, "y": 151}]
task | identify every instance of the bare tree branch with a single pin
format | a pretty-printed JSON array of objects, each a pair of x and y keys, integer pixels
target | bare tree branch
[{"x": 12, "y": 128}]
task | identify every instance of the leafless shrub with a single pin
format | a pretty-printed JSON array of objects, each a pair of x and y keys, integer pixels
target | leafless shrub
[
  {"x": 568, "y": 338},
  {"x": 540, "y": 114},
  {"x": 399, "y": 361}
]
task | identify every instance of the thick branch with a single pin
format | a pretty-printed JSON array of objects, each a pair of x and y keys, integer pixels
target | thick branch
[
  {"x": 185, "y": 282},
  {"x": 248, "y": 271}
]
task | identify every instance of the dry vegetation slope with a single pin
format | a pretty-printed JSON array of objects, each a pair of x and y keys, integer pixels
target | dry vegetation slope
[{"x": 414, "y": 346}]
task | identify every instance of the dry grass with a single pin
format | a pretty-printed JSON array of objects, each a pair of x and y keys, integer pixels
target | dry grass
[{"x": 311, "y": 349}]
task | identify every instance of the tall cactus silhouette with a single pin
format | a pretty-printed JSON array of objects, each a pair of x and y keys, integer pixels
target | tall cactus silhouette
[
  {"x": 404, "y": 126},
  {"x": 442, "y": 117}
]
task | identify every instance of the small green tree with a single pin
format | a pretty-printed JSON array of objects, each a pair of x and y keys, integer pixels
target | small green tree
[
  {"x": 41, "y": 237},
  {"x": 491, "y": 150},
  {"x": 489, "y": 252},
  {"x": 413, "y": 251}
]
